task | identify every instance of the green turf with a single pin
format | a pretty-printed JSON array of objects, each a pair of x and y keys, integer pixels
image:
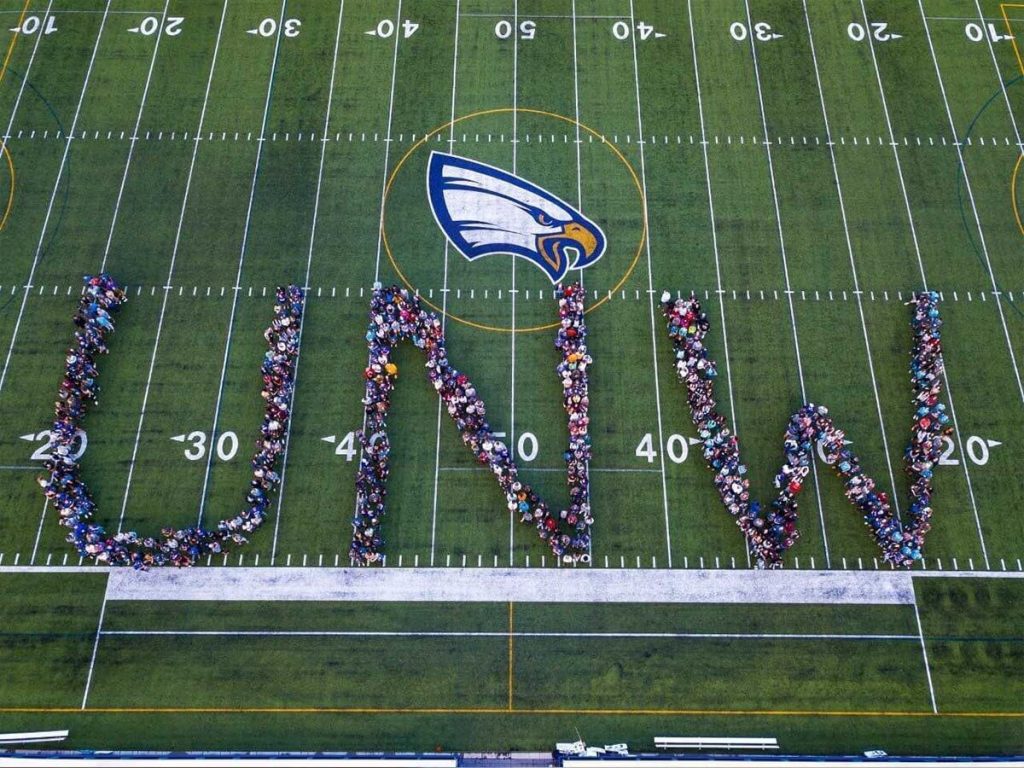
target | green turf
[{"x": 243, "y": 212}]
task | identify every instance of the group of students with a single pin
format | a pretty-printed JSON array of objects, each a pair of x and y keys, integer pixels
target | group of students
[
  {"x": 64, "y": 487},
  {"x": 771, "y": 532},
  {"x": 396, "y": 315}
]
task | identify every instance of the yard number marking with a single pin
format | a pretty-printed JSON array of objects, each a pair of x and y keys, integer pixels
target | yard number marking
[
  {"x": 879, "y": 32},
  {"x": 268, "y": 28},
  {"x": 33, "y": 24},
  {"x": 346, "y": 446},
  {"x": 227, "y": 445},
  {"x": 977, "y": 449},
  {"x": 527, "y": 29},
  {"x": 762, "y": 32},
  {"x": 386, "y": 28},
  {"x": 676, "y": 448},
  {"x": 150, "y": 26},
  {"x": 976, "y": 33},
  {"x": 621, "y": 31},
  {"x": 42, "y": 453}
]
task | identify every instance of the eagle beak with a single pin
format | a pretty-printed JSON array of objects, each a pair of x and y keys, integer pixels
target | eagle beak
[{"x": 583, "y": 236}]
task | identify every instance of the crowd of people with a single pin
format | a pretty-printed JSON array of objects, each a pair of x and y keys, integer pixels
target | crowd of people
[
  {"x": 771, "y": 532},
  {"x": 66, "y": 490},
  {"x": 396, "y": 315}
]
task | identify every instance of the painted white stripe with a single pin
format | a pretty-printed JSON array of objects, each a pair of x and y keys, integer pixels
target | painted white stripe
[
  {"x": 32, "y": 737},
  {"x": 580, "y": 635},
  {"x": 521, "y": 585}
]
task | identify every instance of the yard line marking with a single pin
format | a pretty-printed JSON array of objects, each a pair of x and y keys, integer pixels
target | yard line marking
[
  {"x": 135, "y": 131},
  {"x": 241, "y": 260},
  {"x": 387, "y": 146},
  {"x": 920, "y": 266},
  {"x": 39, "y": 531},
  {"x": 309, "y": 267},
  {"x": 170, "y": 271},
  {"x": 714, "y": 227},
  {"x": 1002, "y": 84},
  {"x": 510, "y": 633},
  {"x": 974, "y": 207},
  {"x": 95, "y": 650},
  {"x": 650, "y": 286},
  {"x": 444, "y": 294},
  {"x": 511, "y": 655},
  {"x": 853, "y": 268},
  {"x": 53, "y": 195},
  {"x": 785, "y": 268},
  {"x": 924, "y": 654},
  {"x": 514, "y": 292}
]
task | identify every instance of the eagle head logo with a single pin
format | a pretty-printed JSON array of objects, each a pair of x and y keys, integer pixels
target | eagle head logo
[{"x": 483, "y": 210}]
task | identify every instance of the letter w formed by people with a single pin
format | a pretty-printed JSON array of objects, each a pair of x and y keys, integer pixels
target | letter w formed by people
[{"x": 397, "y": 316}]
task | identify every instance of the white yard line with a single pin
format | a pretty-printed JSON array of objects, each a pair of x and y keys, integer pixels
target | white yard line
[
  {"x": 241, "y": 262},
  {"x": 309, "y": 268},
  {"x": 974, "y": 205},
  {"x": 170, "y": 269},
  {"x": 714, "y": 230},
  {"x": 785, "y": 269},
  {"x": 650, "y": 287},
  {"x": 134, "y": 137},
  {"x": 921, "y": 269},
  {"x": 444, "y": 291},
  {"x": 53, "y": 197},
  {"x": 853, "y": 267},
  {"x": 39, "y": 532},
  {"x": 506, "y": 633},
  {"x": 95, "y": 648},
  {"x": 514, "y": 292},
  {"x": 924, "y": 654}
]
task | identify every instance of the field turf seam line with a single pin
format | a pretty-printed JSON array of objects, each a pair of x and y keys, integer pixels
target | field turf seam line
[
  {"x": 785, "y": 270},
  {"x": 309, "y": 268},
  {"x": 917, "y": 253}
]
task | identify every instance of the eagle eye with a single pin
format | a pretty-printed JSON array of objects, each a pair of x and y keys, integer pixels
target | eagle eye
[{"x": 543, "y": 220}]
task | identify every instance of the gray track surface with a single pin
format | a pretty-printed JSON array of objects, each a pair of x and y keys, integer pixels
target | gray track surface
[{"x": 518, "y": 585}]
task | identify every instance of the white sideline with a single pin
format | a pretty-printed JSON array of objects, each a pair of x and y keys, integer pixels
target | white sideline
[{"x": 518, "y": 585}]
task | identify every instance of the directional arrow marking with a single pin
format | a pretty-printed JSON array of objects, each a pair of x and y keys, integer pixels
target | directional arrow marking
[
  {"x": 29, "y": 437},
  {"x": 252, "y": 31},
  {"x": 329, "y": 439},
  {"x": 179, "y": 438},
  {"x": 993, "y": 443}
]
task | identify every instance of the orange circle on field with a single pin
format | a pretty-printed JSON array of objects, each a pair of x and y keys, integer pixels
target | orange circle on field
[{"x": 432, "y": 134}]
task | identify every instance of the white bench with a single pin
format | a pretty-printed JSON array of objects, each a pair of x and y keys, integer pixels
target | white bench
[
  {"x": 36, "y": 737},
  {"x": 714, "y": 742}
]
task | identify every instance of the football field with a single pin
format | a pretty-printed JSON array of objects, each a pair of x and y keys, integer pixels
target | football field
[{"x": 803, "y": 167}]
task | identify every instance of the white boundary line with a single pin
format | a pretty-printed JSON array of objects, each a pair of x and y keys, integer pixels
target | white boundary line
[
  {"x": 134, "y": 137},
  {"x": 309, "y": 268},
  {"x": 455, "y": 633},
  {"x": 95, "y": 648},
  {"x": 921, "y": 269},
  {"x": 974, "y": 206},
  {"x": 924, "y": 654},
  {"x": 514, "y": 292},
  {"x": 170, "y": 270},
  {"x": 650, "y": 284},
  {"x": 714, "y": 231},
  {"x": 853, "y": 268},
  {"x": 241, "y": 261},
  {"x": 444, "y": 292},
  {"x": 68, "y": 139},
  {"x": 785, "y": 269}
]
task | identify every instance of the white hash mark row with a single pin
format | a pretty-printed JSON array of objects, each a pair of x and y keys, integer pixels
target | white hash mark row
[
  {"x": 464, "y": 560},
  {"x": 30, "y": 134},
  {"x": 486, "y": 294}
]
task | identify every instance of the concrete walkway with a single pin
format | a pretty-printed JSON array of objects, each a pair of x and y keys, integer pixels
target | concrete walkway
[{"x": 519, "y": 585}]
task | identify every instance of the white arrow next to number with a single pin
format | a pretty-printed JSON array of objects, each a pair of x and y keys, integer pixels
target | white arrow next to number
[
  {"x": 179, "y": 438},
  {"x": 371, "y": 32},
  {"x": 659, "y": 34},
  {"x": 134, "y": 30},
  {"x": 991, "y": 443},
  {"x": 694, "y": 440},
  {"x": 29, "y": 437},
  {"x": 330, "y": 439}
]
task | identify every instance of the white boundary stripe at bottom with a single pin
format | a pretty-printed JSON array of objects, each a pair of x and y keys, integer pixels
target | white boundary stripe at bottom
[
  {"x": 505, "y": 634},
  {"x": 746, "y": 762},
  {"x": 519, "y": 585}
]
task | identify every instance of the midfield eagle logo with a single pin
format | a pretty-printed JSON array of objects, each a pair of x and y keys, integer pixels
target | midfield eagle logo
[{"x": 484, "y": 210}]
